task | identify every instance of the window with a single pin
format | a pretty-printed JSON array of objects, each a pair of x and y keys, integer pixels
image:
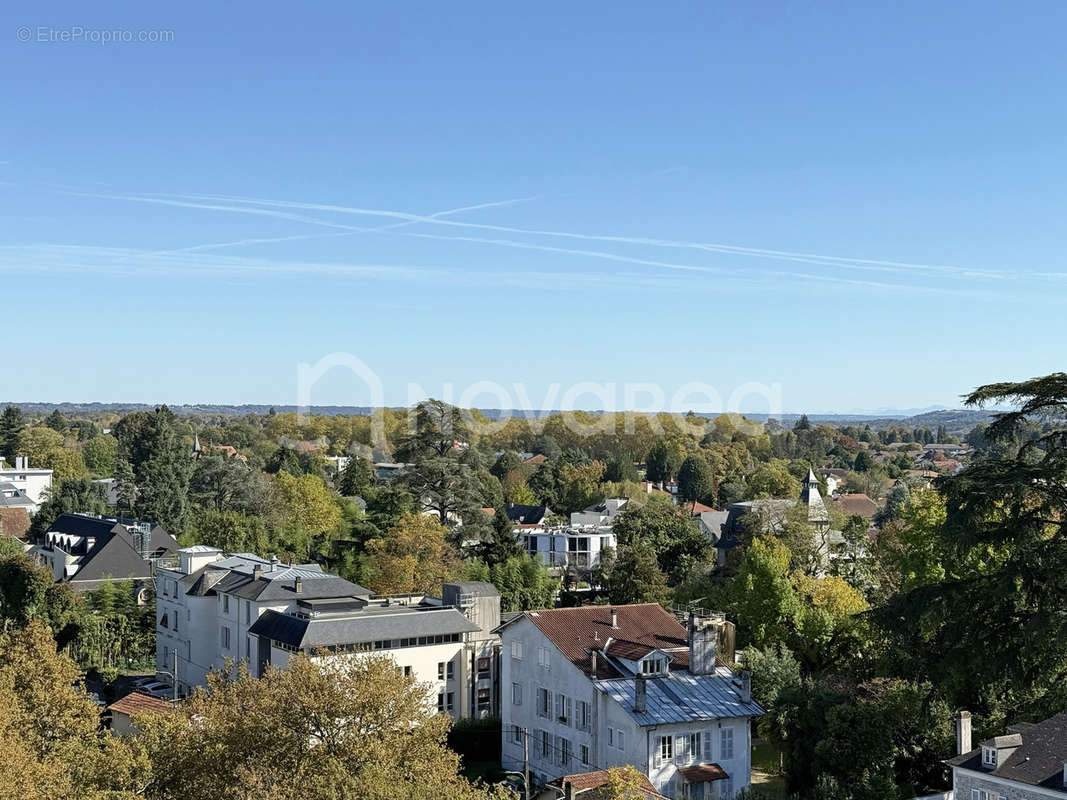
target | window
[
  {"x": 564, "y": 752},
  {"x": 440, "y": 702},
  {"x": 583, "y": 751},
  {"x": 175, "y": 621},
  {"x": 563, "y": 708},
  {"x": 407, "y": 671},
  {"x": 681, "y": 744},
  {"x": 516, "y": 735},
  {"x": 726, "y": 740},
  {"x": 516, "y": 694},
  {"x": 989, "y": 756},
  {"x": 166, "y": 655},
  {"x": 544, "y": 658},
  {"x": 483, "y": 666},
  {"x": 483, "y": 697},
  {"x": 248, "y": 646},
  {"x": 163, "y": 621},
  {"x": 652, "y": 666},
  {"x": 581, "y": 721},
  {"x": 544, "y": 702},
  {"x": 695, "y": 750},
  {"x": 516, "y": 650},
  {"x": 707, "y": 745},
  {"x": 225, "y": 604},
  {"x": 665, "y": 750},
  {"x": 621, "y": 739},
  {"x": 450, "y": 701},
  {"x": 546, "y": 744},
  {"x": 611, "y": 737},
  {"x": 225, "y": 636},
  {"x": 445, "y": 670}
]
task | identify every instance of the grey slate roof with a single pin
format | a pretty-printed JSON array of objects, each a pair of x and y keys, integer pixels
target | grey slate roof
[
  {"x": 682, "y": 697},
  {"x": 398, "y": 622},
  {"x": 1037, "y": 761},
  {"x": 281, "y": 585}
]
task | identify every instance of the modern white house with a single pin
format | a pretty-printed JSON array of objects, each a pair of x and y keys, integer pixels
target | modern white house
[
  {"x": 578, "y": 545},
  {"x": 214, "y": 608},
  {"x": 34, "y": 484},
  {"x": 594, "y": 687},
  {"x": 1029, "y": 762}
]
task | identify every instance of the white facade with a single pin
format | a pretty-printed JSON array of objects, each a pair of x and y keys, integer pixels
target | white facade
[
  {"x": 203, "y": 620},
  {"x": 569, "y": 547},
  {"x": 33, "y": 483},
  {"x": 585, "y": 726}
]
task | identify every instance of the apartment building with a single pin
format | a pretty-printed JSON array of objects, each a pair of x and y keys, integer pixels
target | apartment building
[
  {"x": 214, "y": 608},
  {"x": 594, "y": 687}
]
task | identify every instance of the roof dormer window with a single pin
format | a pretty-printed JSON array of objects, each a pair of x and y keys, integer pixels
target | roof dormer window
[
  {"x": 653, "y": 666},
  {"x": 989, "y": 757}
]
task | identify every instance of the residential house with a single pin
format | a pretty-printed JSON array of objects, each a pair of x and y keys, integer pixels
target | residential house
[
  {"x": 1029, "y": 762},
  {"x": 124, "y": 709},
  {"x": 85, "y": 551},
  {"x": 859, "y": 505},
  {"x": 34, "y": 484},
  {"x": 771, "y": 514},
  {"x": 214, "y": 607},
  {"x": 590, "y": 786},
  {"x": 578, "y": 545},
  {"x": 16, "y": 508},
  {"x": 593, "y": 687}
]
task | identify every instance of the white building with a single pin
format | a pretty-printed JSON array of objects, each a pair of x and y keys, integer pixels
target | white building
[
  {"x": 34, "y": 484},
  {"x": 578, "y": 545},
  {"x": 212, "y": 607},
  {"x": 594, "y": 687}
]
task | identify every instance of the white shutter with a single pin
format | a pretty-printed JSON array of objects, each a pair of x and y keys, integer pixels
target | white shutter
[
  {"x": 680, "y": 744},
  {"x": 707, "y": 746}
]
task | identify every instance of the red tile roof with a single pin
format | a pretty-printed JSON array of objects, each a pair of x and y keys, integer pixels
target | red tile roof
[
  {"x": 584, "y": 781},
  {"x": 697, "y": 508},
  {"x": 576, "y": 631},
  {"x": 859, "y": 504},
  {"x": 138, "y": 702},
  {"x": 703, "y": 773}
]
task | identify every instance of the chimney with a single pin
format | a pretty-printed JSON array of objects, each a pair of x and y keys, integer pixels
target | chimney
[
  {"x": 592, "y": 662},
  {"x": 640, "y": 694},
  {"x": 963, "y": 733},
  {"x": 257, "y": 572},
  {"x": 746, "y": 686},
  {"x": 614, "y": 619},
  {"x": 703, "y": 638},
  {"x": 298, "y": 585}
]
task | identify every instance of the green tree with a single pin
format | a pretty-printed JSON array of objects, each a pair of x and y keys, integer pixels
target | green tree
[
  {"x": 224, "y": 482},
  {"x": 100, "y": 454},
  {"x": 12, "y": 421},
  {"x": 663, "y": 461},
  {"x": 230, "y": 531},
  {"x": 620, "y": 469},
  {"x": 412, "y": 557},
  {"x": 523, "y": 581},
  {"x": 696, "y": 483},
  {"x": 636, "y": 576},
  {"x": 290, "y": 735},
  {"x": 763, "y": 600},
  {"x": 673, "y": 537},
  {"x": 356, "y": 477},
  {"x": 38, "y": 443},
  {"x": 773, "y": 479},
  {"x": 29, "y": 592},
  {"x": 163, "y": 474},
  {"x": 51, "y": 743}
]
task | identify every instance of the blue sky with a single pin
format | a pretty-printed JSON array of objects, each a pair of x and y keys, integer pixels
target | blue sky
[{"x": 861, "y": 202}]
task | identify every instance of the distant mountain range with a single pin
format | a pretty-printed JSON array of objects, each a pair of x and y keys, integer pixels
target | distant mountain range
[{"x": 956, "y": 421}]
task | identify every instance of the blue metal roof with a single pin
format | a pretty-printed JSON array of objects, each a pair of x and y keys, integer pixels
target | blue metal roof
[{"x": 683, "y": 697}]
